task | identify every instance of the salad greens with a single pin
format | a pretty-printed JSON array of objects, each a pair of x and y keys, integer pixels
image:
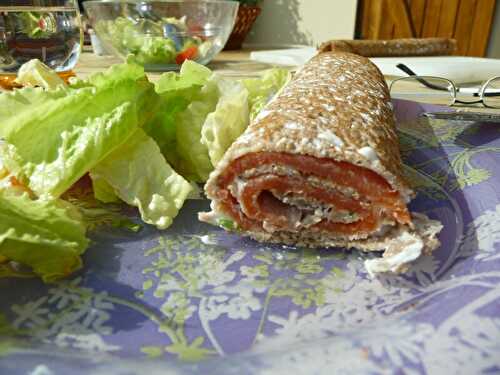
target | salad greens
[
  {"x": 141, "y": 143},
  {"x": 194, "y": 160},
  {"x": 188, "y": 97},
  {"x": 56, "y": 138},
  {"x": 262, "y": 90},
  {"x": 36, "y": 73},
  {"x": 228, "y": 121},
  {"x": 163, "y": 41},
  {"x": 140, "y": 176},
  {"x": 103, "y": 191},
  {"x": 48, "y": 236}
]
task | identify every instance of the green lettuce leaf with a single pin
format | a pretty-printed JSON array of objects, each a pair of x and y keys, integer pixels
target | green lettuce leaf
[
  {"x": 48, "y": 236},
  {"x": 191, "y": 75},
  {"x": 228, "y": 121},
  {"x": 194, "y": 160},
  {"x": 261, "y": 90},
  {"x": 155, "y": 50},
  {"x": 103, "y": 191},
  {"x": 20, "y": 102},
  {"x": 55, "y": 137},
  {"x": 187, "y": 98},
  {"x": 114, "y": 75},
  {"x": 176, "y": 90},
  {"x": 138, "y": 39},
  {"x": 35, "y": 73},
  {"x": 140, "y": 176}
]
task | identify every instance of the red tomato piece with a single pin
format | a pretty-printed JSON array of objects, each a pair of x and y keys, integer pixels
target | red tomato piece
[{"x": 188, "y": 54}]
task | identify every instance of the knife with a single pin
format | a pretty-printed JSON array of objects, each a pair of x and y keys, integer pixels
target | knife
[{"x": 464, "y": 116}]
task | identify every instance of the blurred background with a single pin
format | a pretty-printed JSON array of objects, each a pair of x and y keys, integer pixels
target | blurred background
[{"x": 475, "y": 24}]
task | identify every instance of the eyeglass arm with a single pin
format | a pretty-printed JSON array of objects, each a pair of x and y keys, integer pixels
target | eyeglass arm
[{"x": 411, "y": 73}]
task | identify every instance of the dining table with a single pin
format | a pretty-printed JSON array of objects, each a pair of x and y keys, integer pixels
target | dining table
[
  {"x": 194, "y": 299},
  {"x": 235, "y": 63}
]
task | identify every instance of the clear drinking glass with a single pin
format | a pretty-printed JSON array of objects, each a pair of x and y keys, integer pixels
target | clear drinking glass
[{"x": 48, "y": 30}]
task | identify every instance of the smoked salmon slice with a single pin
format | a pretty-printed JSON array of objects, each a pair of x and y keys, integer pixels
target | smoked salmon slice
[{"x": 256, "y": 199}]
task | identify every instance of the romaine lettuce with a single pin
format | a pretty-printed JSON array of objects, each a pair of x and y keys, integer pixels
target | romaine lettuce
[
  {"x": 194, "y": 160},
  {"x": 55, "y": 137},
  {"x": 35, "y": 73},
  {"x": 187, "y": 98},
  {"x": 103, "y": 191},
  {"x": 143, "y": 39},
  {"x": 228, "y": 121},
  {"x": 261, "y": 90},
  {"x": 140, "y": 176},
  {"x": 48, "y": 236},
  {"x": 155, "y": 50},
  {"x": 191, "y": 75}
]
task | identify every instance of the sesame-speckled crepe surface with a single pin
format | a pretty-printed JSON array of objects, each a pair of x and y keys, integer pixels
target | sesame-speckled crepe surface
[{"x": 337, "y": 109}]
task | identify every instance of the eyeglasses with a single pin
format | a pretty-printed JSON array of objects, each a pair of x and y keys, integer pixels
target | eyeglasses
[{"x": 440, "y": 90}]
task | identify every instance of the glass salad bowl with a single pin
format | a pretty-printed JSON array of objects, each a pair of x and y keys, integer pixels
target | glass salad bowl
[{"x": 162, "y": 34}]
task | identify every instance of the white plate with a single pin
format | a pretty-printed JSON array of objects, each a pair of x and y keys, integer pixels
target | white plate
[{"x": 457, "y": 68}]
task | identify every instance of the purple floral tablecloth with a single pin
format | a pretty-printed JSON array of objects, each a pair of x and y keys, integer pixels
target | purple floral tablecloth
[{"x": 196, "y": 300}]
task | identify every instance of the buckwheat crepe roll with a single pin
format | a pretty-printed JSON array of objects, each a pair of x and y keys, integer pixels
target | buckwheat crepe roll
[{"x": 320, "y": 167}]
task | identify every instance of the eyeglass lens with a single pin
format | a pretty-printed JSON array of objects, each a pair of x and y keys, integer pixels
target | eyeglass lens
[
  {"x": 424, "y": 89},
  {"x": 491, "y": 94}
]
